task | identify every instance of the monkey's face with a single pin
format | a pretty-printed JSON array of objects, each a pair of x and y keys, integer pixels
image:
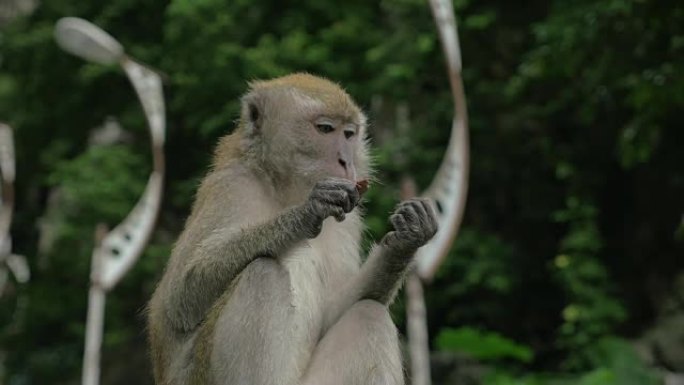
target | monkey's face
[
  {"x": 302, "y": 129},
  {"x": 314, "y": 140}
]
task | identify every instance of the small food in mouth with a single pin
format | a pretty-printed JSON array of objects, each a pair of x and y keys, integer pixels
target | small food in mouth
[{"x": 362, "y": 186}]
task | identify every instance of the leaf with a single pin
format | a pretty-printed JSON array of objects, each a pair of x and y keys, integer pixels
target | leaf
[{"x": 485, "y": 346}]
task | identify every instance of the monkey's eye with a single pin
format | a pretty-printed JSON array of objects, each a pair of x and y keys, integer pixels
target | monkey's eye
[
  {"x": 349, "y": 133},
  {"x": 325, "y": 127}
]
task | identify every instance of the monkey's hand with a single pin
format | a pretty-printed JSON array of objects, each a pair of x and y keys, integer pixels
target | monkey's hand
[
  {"x": 330, "y": 197},
  {"x": 414, "y": 223}
]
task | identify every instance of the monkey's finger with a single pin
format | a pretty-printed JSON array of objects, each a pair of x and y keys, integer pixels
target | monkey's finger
[
  {"x": 422, "y": 213},
  {"x": 348, "y": 203},
  {"x": 338, "y": 213},
  {"x": 389, "y": 238},
  {"x": 427, "y": 228},
  {"x": 404, "y": 205},
  {"x": 408, "y": 211},
  {"x": 398, "y": 222},
  {"x": 352, "y": 194},
  {"x": 353, "y": 198},
  {"x": 432, "y": 215},
  {"x": 337, "y": 198}
]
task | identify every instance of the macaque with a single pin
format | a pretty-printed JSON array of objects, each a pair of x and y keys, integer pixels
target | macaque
[{"x": 265, "y": 285}]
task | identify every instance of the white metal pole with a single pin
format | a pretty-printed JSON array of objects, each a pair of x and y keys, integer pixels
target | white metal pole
[
  {"x": 96, "y": 310},
  {"x": 116, "y": 251},
  {"x": 419, "y": 349},
  {"x": 448, "y": 190},
  {"x": 94, "y": 329}
]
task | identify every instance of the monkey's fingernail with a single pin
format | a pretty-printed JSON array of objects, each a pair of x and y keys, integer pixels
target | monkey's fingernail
[{"x": 362, "y": 186}]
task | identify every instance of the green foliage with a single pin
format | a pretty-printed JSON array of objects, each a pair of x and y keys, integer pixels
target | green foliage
[
  {"x": 485, "y": 346},
  {"x": 112, "y": 174},
  {"x": 591, "y": 311},
  {"x": 482, "y": 262},
  {"x": 616, "y": 363},
  {"x": 619, "y": 357}
]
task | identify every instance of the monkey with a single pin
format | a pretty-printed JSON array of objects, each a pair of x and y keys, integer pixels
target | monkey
[{"x": 265, "y": 284}]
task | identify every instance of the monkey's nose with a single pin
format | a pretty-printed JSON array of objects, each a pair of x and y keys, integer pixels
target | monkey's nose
[{"x": 349, "y": 169}]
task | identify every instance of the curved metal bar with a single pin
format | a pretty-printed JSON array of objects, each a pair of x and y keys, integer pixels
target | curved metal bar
[
  {"x": 450, "y": 185},
  {"x": 122, "y": 246},
  {"x": 148, "y": 86},
  {"x": 116, "y": 251},
  {"x": 86, "y": 40}
]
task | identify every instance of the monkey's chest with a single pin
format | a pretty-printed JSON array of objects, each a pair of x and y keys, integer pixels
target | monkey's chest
[
  {"x": 307, "y": 292},
  {"x": 314, "y": 280}
]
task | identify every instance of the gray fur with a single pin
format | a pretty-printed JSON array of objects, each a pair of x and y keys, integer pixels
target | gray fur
[{"x": 265, "y": 284}]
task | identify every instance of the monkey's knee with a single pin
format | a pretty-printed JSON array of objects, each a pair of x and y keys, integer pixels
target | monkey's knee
[
  {"x": 378, "y": 333},
  {"x": 372, "y": 309},
  {"x": 373, "y": 318},
  {"x": 366, "y": 341}
]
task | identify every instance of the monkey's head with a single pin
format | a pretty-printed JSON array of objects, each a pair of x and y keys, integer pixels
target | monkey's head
[{"x": 299, "y": 129}]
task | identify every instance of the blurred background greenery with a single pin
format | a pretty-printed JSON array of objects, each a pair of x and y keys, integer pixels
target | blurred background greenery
[{"x": 569, "y": 268}]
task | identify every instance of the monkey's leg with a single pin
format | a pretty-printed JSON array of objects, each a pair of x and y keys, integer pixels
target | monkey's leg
[
  {"x": 381, "y": 275},
  {"x": 255, "y": 339},
  {"x": 362, "y": 348}
]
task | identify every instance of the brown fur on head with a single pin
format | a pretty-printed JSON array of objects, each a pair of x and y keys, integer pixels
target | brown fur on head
[{"x": 285, "y": 131}]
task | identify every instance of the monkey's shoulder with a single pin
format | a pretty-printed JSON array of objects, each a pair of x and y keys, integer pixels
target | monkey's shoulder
[
  {"x": 233, "y": 193},
  {"x": 227, "y": 180}
]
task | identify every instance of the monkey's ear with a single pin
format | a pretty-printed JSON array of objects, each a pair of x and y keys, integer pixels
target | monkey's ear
[{"x": 252, "y": 114}]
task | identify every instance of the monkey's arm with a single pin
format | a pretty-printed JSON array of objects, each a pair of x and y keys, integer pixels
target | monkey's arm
[
  {"x": 381, "y": 275},
  {"x": 383, "y": 272},
  {"x": 219, "y": 257}
]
